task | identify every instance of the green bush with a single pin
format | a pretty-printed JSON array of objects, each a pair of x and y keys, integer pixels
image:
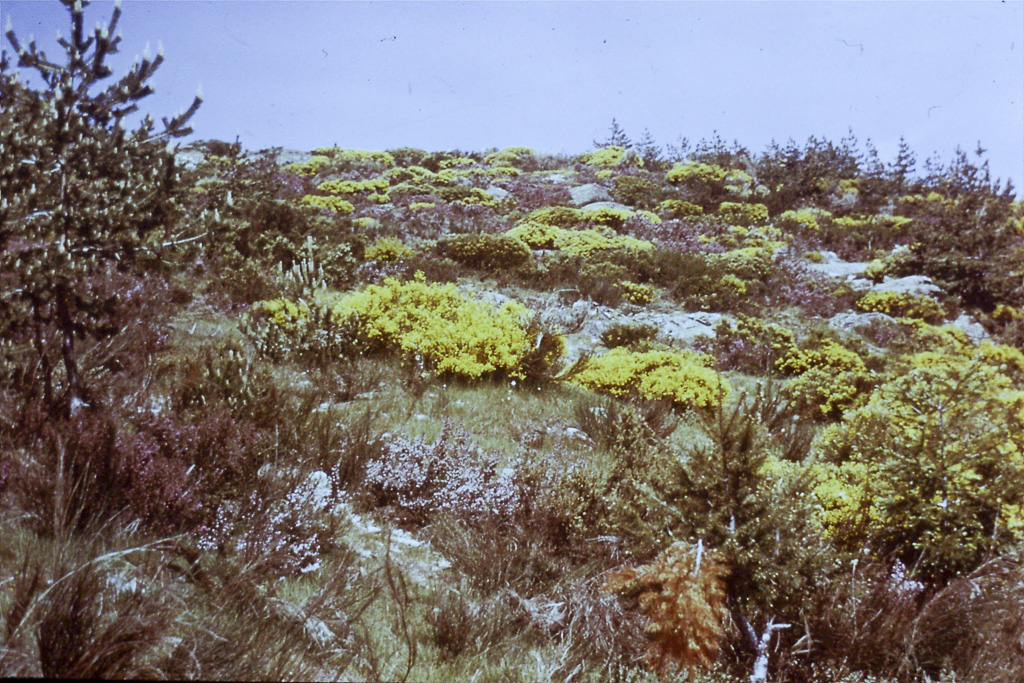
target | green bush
[
  {"x": 484, "y": 251},
  {"x": 628, "y": 334},
  {"x": 637, "y": 192}
]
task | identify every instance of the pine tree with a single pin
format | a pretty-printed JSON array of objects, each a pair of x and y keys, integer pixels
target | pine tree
[
  {"x": 903, "y": 167},
  {"x": 616, "y": 137},
  {"x": 649, "y": 150},
  {"x": 82, "y": 195}
]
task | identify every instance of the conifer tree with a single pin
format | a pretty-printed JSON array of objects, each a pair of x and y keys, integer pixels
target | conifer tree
[
  {"x": 81, "y": 194},
  {"x": 616, "y": 137}
]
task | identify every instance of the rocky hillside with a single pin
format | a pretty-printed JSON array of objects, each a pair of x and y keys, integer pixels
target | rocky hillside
[{"x": 629, "y": 415}]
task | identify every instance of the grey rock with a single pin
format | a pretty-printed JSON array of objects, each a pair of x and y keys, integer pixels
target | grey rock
[
  {"x": 682, "y": 327},
  {"x": 291, "y": 156},
  {"x": 556, "y": 178},
  {"x": 851, "y": 321},
  {"x": 497, "y": 192},
  {"x": 971, "y": 327},
  {"x": 594, "y": 206},
  {"x": 589, "y": 193},
  {"x": 919, "y": 285}
]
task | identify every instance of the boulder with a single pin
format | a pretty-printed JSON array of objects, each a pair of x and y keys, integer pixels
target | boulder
[
  {"x": 606, "y": 205},
  {"x": 851, "y": 321},
  {"x": 497, "y": 192},
  {"x": 833, "y": 266},
  {"x": 971, "y": 327},
  {"x": 682, "y": 327},
  {"x": 919, "y": 285},
  {"x": 291, "y": 156},
  {"x": 587, "y": 194}
]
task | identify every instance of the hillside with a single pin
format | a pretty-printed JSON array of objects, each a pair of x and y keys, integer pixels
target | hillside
[{"x": 414, "y": 415}]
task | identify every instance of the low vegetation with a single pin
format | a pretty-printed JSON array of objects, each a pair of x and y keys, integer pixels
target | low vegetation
[{"x": 411, "y": 415}]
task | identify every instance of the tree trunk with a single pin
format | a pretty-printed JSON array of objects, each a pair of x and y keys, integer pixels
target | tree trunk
[{"x": 67, "y": 352}]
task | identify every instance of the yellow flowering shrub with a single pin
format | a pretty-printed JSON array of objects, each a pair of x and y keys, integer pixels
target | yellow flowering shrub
[
  {"x": 608, "y": 217},
  {"x": 378, "y": 198},
  {"x": 829, "y": 378},
  {"x": 559, "y": 216},
  {"x": 477, "y": 196},
  {"x": 388, "y": 249},
  {"x": 414, "y": 175},
  {"x": 450, "y": 331},
  {"x": 803, "y": 219},
  {"x": 684, "y": 377},
  {"x": 743, "y": 214},
  {"x": 455, "y": 162},
  {"x": 1005, "y": 313},
  {"x": 308, "y": 168},
  {"x": 515, "y": 157},
  {"x": 608, "y": 157},
  {"x": 902, "y": 305},
  {"x": 738, "y": 182},
  {"x": 930, "y": 467},
  {"x": 948, "y": 339},
  {"x": 634, "y": 293},
  {"x": 732, "y": 285},
  {"x": 378, "y": 185},
  {"x": 588, "y": 242},
  {"x": 604, "y": 173},
  {"x": 357, "y": 158},
  {"x": 422, "y": 206},
  {"x": 694, "y": 172},
  {"x": 501, "y": 171},
  {"x": 364, "y": 222},
  {"x": 749, "y": 262},
  {"x": 535, "y": 234},
  {"x": 677, "y": 208},
  {"x": 825, "y": 354},
  {"x": 335, "y": 204},
  {"x": 649, "y": 216}
]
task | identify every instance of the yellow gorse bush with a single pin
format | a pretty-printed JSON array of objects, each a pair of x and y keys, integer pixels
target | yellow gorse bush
[
  {"x": 807, "y": 219},
  {"x": 587, "y": 242},
  {"x": 609, "y": 157},
  {"x": 694, "y": 172},
  {"x": 377, "y": 185},
  {"x": 335, "y": 204},
  {"x": 388, "y": 249},
  {"x": 743, "y": 214},
  {"x": 902, "y": 305},
  {"x": 310, "y": 167},
  {"x": 509, "y": 157},
  {"x": 451, "y": 332},
  {"x": 683, "y": 377}
]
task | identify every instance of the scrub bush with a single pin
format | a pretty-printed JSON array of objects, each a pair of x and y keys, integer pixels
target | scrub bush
[
  {"x": 486, "y": 252},
  {"x": 903, "y": 305},
  {"x": 635, "y": 191},
  {"x": 682, "y": 377},
  {"x": 927, "y": 471}
]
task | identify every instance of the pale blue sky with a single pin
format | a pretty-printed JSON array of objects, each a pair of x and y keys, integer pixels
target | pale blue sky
[{"x": 551, "y": 75}]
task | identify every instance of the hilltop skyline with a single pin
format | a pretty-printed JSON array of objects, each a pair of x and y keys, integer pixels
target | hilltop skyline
[{"x": 473, "y": 76}]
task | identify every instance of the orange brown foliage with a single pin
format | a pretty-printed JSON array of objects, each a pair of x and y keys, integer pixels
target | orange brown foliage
[{"x": 685, "y": 603}]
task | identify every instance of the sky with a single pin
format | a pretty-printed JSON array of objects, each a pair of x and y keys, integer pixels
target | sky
[{"x": 552, "y": 75}]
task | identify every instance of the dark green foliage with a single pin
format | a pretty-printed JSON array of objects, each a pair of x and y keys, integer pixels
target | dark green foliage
[
  {"x": 94, "y": 198},
  {"x": 627, "y": 334},
  {"x": 636, "y": 191},
  {"x": 484, "y": 251},
  {"x": 408, "y": 156},
  {"x": 616, "y": 137},
  {"x": 762, "y": 522}
]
